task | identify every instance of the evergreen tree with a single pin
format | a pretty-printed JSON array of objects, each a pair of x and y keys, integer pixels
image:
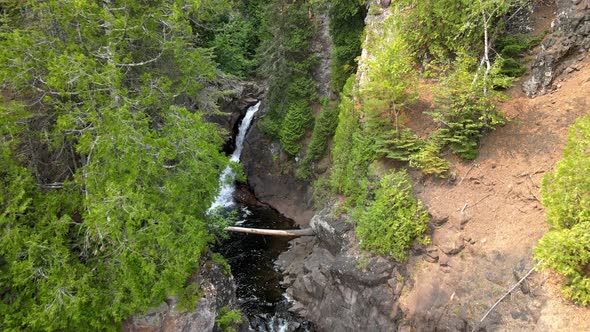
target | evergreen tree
[{"x": 106, "y": 168}]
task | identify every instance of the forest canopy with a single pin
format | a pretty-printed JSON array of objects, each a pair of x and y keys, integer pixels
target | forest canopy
[{"x": 106, "y": 166}]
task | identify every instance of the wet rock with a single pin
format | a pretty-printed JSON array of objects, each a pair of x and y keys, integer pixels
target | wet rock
[
  {"x": 270, "y": 176},
  {"x": 243, "y": 195},
  {"x": 233, "y": 107}
]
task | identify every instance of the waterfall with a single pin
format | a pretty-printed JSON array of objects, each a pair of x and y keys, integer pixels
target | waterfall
[{"x": 226, "y": 180}]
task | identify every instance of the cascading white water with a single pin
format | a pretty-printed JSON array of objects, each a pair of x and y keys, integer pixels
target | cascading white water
[{"x": 226, "y": 180}]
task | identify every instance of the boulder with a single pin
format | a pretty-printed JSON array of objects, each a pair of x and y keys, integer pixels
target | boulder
[{"x": 331, "y": 288}]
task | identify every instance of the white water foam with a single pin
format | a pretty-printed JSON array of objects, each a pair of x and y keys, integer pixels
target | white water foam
[{"x": 226, "y": 180}]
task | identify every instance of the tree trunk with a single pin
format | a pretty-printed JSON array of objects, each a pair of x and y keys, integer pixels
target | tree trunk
[{"x": 272, "y": 232}]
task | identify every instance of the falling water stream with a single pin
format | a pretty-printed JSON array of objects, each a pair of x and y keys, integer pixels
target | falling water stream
[{"x": 252, "y": 257}]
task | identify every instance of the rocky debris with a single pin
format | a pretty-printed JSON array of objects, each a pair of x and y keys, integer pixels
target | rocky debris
[
  {"x": 452, "y": 244},
  {"x": 270, "y": 177},
  {"x": 432, "y": 255},
  {"x": 324, "y": 277},
  {"x": 218, "y": 290},
  {"x": 438, "y": 220},
  {"x": 464, "y": 219},
  {"x": 563, "y": 48},
  {"x": 443, "y": 260}
]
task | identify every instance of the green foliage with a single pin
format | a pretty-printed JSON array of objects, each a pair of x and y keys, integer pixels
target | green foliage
[
  {"x": 299, "y": 118},
  {"x": 389, "y": 88},
  {"x": 353, "y": 152},
  {"x": 511, "y": 49},
  {"x": 393, "y": 220},
  {"x": 346, "y": 28},
  {"x": 104, "y": 199},
  {"x": 234, "y": 44},
  {"x": 222, "y": 263},
  {"x": 288, "y": 62},
  {"x": 218, "y": 219},
  {"x": 566, "y": 189},
  {"x": 188, "y": 298},
  {"x": 567, "y": 251},
  {"x": 429, "y": 160},
  {"x": 440, "y": 29},
  {"x": 323, "y": 129},
  {"x": 468, "y": 107},
  {"x": 228, "y": 319},
  {"x": 566, "y": 197}
]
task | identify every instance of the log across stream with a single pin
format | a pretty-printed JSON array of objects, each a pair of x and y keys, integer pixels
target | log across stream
[{"x": 272, "y": 232}]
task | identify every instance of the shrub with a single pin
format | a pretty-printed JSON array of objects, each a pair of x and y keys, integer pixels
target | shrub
[
  {"x": 222, "y": 263},
  {"x": 390, "y": 224},
  {"x": 299, "y": 118},
  {"x": 228, "y": 319},
  {"x": 567, "y": 251},
  {"x": 188, "y": 297},
  {"x": 566, "y": 197},
  {"x": 346, "y": 28},
  {"x": 566, "y": 190},
  {"x": 468, "y": 107},
  {"x": 323, "y": 129}
]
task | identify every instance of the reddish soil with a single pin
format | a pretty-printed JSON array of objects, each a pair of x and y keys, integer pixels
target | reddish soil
[{"x": 493, "y": 210}]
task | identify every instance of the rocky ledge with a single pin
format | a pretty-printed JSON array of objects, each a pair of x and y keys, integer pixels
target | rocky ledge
[
  {"x": 270, "y": 177},
  {"x": 335, "y": 288}
]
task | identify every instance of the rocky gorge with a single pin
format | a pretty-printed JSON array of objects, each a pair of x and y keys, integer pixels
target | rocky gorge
[{"x": 338, "y": 287}]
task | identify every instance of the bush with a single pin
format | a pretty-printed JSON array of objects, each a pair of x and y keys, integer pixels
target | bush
[
  {"x": 566, "y": 190},
  {"x": 299, "y": 118},
  {"x": 323, "y": 129},
  {"x": 222, "y": 263},
  {"x": 346, "y": 28},
  {"x": 228, "y": 319},
  {"x": 567, "y": 251},
  {"x": 390, "y": 224},
  {"x": 468, "y": 107},
  {"x": 188, "y": 297},
  {"x": 566, "y": 197}
]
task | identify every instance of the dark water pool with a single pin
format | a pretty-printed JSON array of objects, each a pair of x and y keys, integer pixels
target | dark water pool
[{"x": 252, "y": 260}]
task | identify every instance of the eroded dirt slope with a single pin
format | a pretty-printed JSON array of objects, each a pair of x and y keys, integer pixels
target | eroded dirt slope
[{"x": 489, "y": 220}]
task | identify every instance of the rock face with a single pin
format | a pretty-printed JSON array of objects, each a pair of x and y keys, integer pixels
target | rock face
[
  {"x": 269, "y": 172},
  {"x": 233, "y": 108},
  {"x": 219, "y": 290},
  {"x": 333, "y": 287},
  {"x": 322, "y": 46},
  {"x": 564, "y": 48}
]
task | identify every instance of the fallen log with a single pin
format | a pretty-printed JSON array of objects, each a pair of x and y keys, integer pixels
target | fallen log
[{"x": 272, "y": 232}]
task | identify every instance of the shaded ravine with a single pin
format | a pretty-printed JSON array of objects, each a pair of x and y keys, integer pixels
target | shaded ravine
[{"x": 252, "y": 257}]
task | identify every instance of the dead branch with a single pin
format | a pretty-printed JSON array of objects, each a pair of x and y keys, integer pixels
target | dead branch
[
  {"x": 507, "y": 293},
  {"x": 472, "y": 166}
]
